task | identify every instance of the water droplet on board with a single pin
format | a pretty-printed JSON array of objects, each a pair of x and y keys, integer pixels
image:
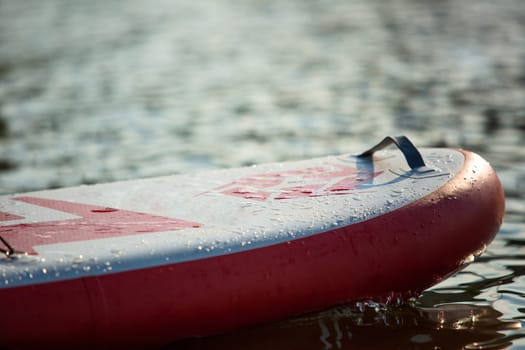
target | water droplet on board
[
  {"x": 116, "y": 252},
  {"x": 77, "y": 260}
]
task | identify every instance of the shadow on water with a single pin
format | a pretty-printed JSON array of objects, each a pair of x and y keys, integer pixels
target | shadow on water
[{"x": 454, "y": 326}]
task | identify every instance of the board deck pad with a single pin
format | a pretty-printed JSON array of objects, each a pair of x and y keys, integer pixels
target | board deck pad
[{"x": 107, "y": 228}]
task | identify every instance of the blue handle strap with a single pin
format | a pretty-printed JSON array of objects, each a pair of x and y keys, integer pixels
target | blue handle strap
[{"x": 412, "y": 155}]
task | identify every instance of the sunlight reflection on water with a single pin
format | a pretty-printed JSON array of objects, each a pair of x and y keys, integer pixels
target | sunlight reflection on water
[{"x": 100, "y": 91}]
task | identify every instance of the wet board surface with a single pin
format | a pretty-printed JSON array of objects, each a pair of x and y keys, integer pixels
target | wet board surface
[
  {"x": 108, "y": 228},
  {"x": 145, "y": 262}
]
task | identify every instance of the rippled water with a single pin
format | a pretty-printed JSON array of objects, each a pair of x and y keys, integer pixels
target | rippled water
[{"x": 95, "y": 91}]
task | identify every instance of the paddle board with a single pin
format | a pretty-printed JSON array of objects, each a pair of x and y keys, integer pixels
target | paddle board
[{"x": 146, "y": 262}]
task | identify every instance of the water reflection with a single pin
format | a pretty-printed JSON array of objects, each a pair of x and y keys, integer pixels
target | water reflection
[
  {"x": 97, "y": 91},
  {"x": 452, "y": 326},
  {"x": 100, "y": 91}
]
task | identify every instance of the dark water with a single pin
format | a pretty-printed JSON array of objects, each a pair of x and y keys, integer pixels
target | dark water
[{"x": 95, "y": 91}]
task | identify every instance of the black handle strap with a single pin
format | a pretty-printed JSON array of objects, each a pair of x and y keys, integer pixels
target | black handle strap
[
  {"x": 412, "y": 155},
  {"x": 9, "y": 251}
]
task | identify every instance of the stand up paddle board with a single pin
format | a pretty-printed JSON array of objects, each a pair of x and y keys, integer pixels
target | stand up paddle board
[{"x": 147, "y": 262}]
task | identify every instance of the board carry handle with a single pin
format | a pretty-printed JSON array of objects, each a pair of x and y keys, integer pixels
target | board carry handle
[
  {"x": 9, "y": 251},
  {"x": 412, "y": 155}
]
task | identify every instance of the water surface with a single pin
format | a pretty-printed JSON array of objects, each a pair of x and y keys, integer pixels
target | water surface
[{"x": 97, "y": 91}]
